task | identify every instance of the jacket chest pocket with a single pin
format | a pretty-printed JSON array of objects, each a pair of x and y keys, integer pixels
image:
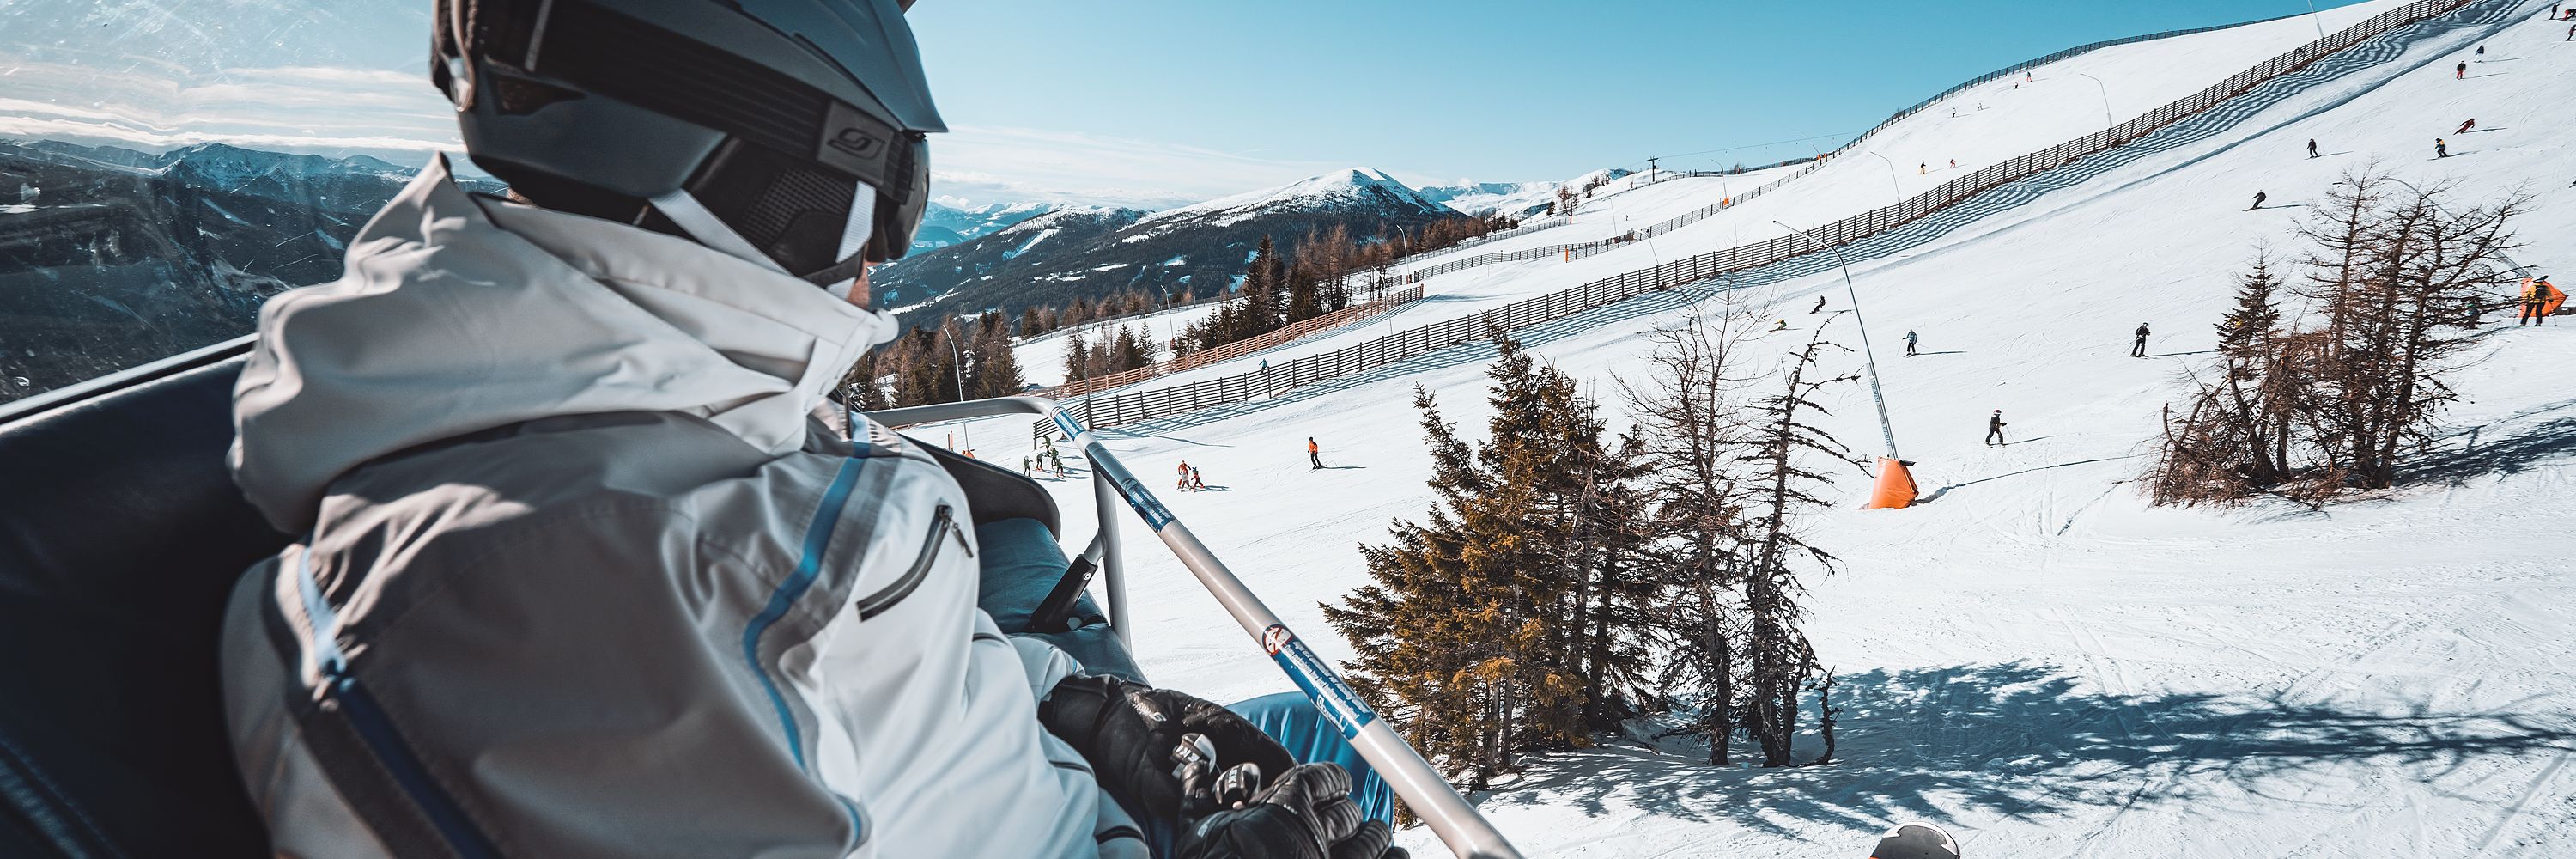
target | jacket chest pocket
[{"x": 943, "y": 528}]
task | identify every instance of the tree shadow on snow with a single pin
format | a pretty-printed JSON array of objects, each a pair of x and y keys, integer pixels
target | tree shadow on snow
[
  {"x": 1937, "y": 493},
  {"x": 2027, "y": 741},
  {"x": 2543, "y": 445}
]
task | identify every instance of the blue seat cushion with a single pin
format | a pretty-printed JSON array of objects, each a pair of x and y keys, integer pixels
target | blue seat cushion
[{"x": 1021, "y": 565}]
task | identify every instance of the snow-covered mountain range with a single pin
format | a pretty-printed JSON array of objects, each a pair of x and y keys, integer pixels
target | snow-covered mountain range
[
  {"x": 1053, "y": 258},
  {"x": 112, "y": 257}
]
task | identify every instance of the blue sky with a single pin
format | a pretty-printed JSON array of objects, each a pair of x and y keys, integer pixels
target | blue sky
[
  {"x": 1141, "y": 102},
  {"x": 1491, "y": 90}
]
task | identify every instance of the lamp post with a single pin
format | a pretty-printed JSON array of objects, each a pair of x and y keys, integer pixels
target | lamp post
[
  {"x": 967, "y": 428},
  {"x": 1891, "y": 180},
  {"x": 1895, "y": 485},
  {"x": 2107, "y": 120}
]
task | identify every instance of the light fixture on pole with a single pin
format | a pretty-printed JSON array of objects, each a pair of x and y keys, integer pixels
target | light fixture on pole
[
  {"x": 1895, "y": 484},
  {"x": 967, "y": 428},
  {"x": 2107, "y": 120},
  {"x": 1891, "y": 178}
]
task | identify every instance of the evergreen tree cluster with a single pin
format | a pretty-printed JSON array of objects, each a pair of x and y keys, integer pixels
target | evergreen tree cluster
[
  {"x": 1036, "y": 320},
  {"x": 1568, "y": 581},
  {"x": 923, "y": 366},
  {"x": 1118, "y": 350},
  {"x": 2336, "y": 396},
  {"x": 1317, "y": 277}
]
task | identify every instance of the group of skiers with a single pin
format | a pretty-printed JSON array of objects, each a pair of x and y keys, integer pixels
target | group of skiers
[{"x": 1044, "y": 461}]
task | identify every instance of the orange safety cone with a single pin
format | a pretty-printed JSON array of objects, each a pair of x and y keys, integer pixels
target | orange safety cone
[{"x": 1895, "y": 490}]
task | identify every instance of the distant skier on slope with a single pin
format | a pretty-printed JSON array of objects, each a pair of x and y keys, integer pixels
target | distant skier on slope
[
  {"x": 2139, "y": 349},
  {"x": 1314, "y": 454},
  {"x": 2441, "y": 148},
  {"x": 1183, "y": 484},
  {"x": 1820, "y": 306},
  {"x": 1198, "y": 483},
  {"x": 2312, "y": 147},
  {"x": 2461, "y": 73},
  {"x": 2467, "y": 126},
  {"x": 1909, "y": 342},
  {"x": 1782, "y": 325},
  {"x": 1995, "y": 429},
  {"x": 2259, "y": 197},
  {"x": 2482, "y": 53}
]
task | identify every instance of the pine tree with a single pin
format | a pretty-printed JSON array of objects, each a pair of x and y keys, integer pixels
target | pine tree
[
  {"x": 1262, "y": 310},
  {"x": 1305, "y": 294},
  {"x": 1690, "y": 420},
  {"x": 1780, "y": 447},
  {"x": 1077, "y": 357},
  {"x": 997, "y": 370},
  {"x": 1511, "y": 620},
  {"x": 863, "y": 389},
  {"x": 2256, "y": 315}
]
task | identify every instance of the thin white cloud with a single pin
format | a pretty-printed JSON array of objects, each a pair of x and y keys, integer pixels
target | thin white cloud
[
  {"x": 1000, "y": 163},
  {"x": 398, "y": 115}
]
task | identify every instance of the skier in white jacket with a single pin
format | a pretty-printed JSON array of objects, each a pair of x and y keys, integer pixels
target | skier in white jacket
[{"x": 578, "y": 573}]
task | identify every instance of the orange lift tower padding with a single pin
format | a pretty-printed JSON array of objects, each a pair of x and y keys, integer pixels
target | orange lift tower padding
[{"x": 1895, "y": 489}]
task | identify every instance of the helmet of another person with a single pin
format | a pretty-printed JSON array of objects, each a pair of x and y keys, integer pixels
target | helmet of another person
[{"x": 791, "y": 133}]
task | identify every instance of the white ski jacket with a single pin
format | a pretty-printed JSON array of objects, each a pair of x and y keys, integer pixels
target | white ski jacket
[{"x": 581, "y": 578}]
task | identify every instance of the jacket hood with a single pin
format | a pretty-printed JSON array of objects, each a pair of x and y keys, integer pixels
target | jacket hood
[{"x": 457, "y": 314}]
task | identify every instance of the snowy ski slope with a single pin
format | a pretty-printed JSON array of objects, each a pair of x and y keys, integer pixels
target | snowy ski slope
[{"x": 2035, "y": 658}]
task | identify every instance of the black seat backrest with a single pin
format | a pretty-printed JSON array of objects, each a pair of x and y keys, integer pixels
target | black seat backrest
[{"x": 121, "y": 534}]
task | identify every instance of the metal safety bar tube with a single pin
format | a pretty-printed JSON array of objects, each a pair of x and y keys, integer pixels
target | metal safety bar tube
[{"x": 1465, "y": 830}]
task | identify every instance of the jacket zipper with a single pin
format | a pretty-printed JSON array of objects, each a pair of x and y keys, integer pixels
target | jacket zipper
[
  {"x": 375, "y": 730},
  {"x": 942, "y": 524}
]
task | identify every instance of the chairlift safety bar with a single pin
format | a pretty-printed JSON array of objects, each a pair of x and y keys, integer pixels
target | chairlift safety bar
[{"x": 1458, "y": 824}]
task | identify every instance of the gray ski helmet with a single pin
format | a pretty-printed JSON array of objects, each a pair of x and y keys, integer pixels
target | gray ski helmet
[{"x": 787, "y": 132}]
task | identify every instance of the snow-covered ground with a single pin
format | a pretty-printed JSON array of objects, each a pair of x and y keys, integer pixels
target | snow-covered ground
[
  {"x": 1994, "y": 122},
  {"x": 2035, "y": 658}
]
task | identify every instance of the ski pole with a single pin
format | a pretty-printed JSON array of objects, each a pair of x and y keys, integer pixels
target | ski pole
[{"x": 1460, "y": 826}]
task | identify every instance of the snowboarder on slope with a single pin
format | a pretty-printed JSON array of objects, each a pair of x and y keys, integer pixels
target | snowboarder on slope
[
  {"x": 2312, "y": 147},
  {"x": 1995, "y": 429},
  {"x": 2259, "y": 197},
  {"x": 669, "y": 447},
  {"x": 2441, "y": 148},
  {"x": 2535, "y": 302},
  {"x": 1314, "y": 454},
  {"x": 2139, "y": 349},
  {"x": 1909, "y": 342},
  {"x": 1782, "y": 325},
  {"x": 1820, "y": 306}
]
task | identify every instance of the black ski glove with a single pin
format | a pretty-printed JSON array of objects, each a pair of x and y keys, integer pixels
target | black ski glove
[
  {"x": 1307, "y": 813},
  {"x": 1136, "y": 738}
]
